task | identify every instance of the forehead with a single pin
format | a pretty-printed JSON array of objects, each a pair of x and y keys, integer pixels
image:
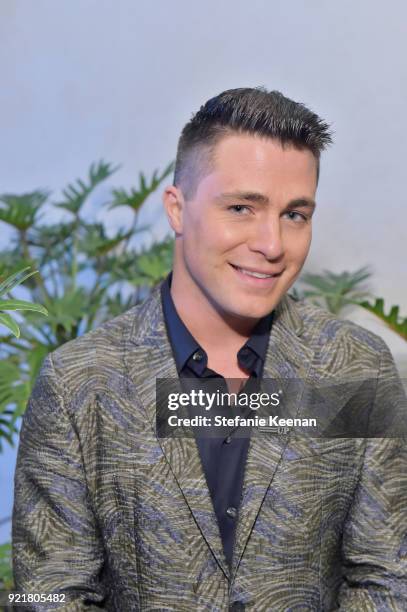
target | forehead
[{"x": 251, "y": 161}]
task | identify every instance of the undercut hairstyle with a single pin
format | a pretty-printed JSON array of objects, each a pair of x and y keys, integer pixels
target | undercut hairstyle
[{"x": 245, "y": 110}]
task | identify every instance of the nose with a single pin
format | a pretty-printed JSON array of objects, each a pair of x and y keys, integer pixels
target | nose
[{"x": 266, "y": 238}]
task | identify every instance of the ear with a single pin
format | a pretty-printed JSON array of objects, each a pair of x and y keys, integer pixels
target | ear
[{"x": 173, "y": 201}]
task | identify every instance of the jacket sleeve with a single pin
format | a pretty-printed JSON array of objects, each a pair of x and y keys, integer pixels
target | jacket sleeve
[
  {"x": 375, "y": 533},
  {"x": 56, "y": 544}
]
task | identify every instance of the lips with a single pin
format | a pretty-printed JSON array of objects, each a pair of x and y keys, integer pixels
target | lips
[{"x": 255, "y": 273}]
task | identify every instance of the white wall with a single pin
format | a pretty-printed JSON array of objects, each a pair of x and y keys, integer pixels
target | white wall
[{"x": 85, "y": 79}]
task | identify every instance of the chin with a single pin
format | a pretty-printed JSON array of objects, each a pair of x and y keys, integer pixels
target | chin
[{"x": 249, "y": 312}]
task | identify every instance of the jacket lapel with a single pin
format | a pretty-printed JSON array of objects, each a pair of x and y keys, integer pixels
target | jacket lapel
[
  {"x": 287, "y": 357},
  {"x": 150, "y": 357}
]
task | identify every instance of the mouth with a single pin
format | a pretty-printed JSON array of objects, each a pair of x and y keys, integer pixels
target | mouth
[{"x": 257, "y": 277}]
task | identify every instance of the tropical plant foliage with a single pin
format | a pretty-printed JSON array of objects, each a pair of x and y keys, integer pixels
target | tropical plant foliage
[
  {"x": 6, "y": 570},
  {"x": 334, "y": 291},
  {"x": 392, "y": 319},
  {"x": 9, "y": 373},
  {"x": 80, "y": 273},
  {"x": 7, "y": 305}
]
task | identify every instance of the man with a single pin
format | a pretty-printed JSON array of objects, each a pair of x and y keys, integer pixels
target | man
[{"x": 112, "y": 516}]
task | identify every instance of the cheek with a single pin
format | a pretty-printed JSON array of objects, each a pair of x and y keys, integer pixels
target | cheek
[
  {"x": 230, "y": 237},
  {"x": 298, "y": 244},
  {"x": 210, "y": 236}
]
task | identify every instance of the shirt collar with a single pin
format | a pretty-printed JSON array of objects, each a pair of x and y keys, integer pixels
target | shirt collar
[{"x": 184, "y": 344}]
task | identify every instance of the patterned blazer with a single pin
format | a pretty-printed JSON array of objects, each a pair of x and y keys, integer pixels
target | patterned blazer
[{"x": 111, "y": 517}]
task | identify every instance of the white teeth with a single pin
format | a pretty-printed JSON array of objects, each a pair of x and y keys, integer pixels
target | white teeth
[{"x": 255, "y": 274}]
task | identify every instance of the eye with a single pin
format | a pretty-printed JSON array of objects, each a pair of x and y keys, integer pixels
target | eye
[
  {"x": 239, "y": 209},
  {"x": 297, "y": 217}
]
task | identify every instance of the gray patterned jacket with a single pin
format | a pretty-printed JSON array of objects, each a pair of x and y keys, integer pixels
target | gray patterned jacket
[{"x": 116, "y": 519}]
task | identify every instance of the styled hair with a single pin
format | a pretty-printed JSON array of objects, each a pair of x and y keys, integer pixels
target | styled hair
[{"x": 244, "y": 110}]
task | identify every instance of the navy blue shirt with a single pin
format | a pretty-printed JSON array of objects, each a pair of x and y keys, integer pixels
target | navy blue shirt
[{"x": 223, "y": 457}]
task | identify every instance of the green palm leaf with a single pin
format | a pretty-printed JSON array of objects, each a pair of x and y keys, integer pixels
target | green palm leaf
[
  {"x": 77, "y": 192},
  {"x": 392, "y": 319},
  {"x": 335, "y": 290},
  {"x": 15, "y": 279},
  {"x": 136, "y": 197},
  {"x": 21, "y": 211},
  {"x": 21, "y": 305},
  {"x": 8, "y": 322},
  {"x": 96, "y": 243},
  {"x": 11, "y": 304}
]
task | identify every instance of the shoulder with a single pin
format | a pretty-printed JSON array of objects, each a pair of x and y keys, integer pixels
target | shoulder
[
  {"x": 109, "y": 334},
  {"x": 105, "y": 345},
  {"x": 329, "y": 334}
]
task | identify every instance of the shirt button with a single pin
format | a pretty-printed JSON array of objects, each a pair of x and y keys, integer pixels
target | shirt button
[
  {"x": 228, "y": 440},
  {"x": 197, "y": 356},
  {"x": 231, "y": 512}
]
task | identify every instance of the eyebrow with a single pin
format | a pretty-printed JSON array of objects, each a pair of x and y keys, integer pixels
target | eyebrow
[{"x": 259, "y": 198}]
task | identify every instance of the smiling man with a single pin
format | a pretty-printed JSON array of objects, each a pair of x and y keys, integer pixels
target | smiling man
[
  {"x": 109, "y": 515},
  {"x": 243, "y": 237}
]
